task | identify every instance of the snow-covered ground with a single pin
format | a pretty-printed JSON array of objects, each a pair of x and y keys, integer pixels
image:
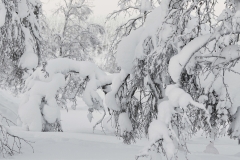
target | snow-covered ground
[{"x": 79, "y": 142}]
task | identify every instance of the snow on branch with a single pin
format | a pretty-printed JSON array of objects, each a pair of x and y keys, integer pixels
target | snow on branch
[
  {"x": 43, "y": 85},
  {"x": 178, "y": 62}
]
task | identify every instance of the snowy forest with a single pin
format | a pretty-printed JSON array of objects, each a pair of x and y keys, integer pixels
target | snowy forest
[{"x": 134, "y": 80}]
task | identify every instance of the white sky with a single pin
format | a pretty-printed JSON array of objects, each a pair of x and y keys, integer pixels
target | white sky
[{"x": 100, "y": 7}]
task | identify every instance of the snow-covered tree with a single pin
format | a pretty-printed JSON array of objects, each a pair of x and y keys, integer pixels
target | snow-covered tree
[
  {"x": 180, "y": 75},
  {"x": 20, "y": 48},
  {"x": 135, "y": 12},
  {"x": 47, "y": 89},
  {"x": 19, "y": 40},
  {"x": 107, "y": 60},
  {"x": 76, "y": 38}
]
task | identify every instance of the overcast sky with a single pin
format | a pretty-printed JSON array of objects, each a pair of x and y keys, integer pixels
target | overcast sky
[{"x": 100, "y": 7}]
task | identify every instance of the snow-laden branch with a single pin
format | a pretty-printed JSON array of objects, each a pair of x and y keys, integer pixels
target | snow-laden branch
[
  {"x": 178, "y": 62},
  {"x": 110, "y": 97},
  {"x": 47, "y": 81}
]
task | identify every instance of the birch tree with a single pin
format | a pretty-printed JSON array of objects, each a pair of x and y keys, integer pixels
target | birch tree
[
  {"x": 20, "y": 48},
  {"x": 78, "y": 39},
  {"x": 176, "y": 79}
]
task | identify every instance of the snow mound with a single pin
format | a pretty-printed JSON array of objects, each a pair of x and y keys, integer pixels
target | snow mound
[
  {"x": 238, "y": 154},
  {"x": 211, "y": 149}
]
